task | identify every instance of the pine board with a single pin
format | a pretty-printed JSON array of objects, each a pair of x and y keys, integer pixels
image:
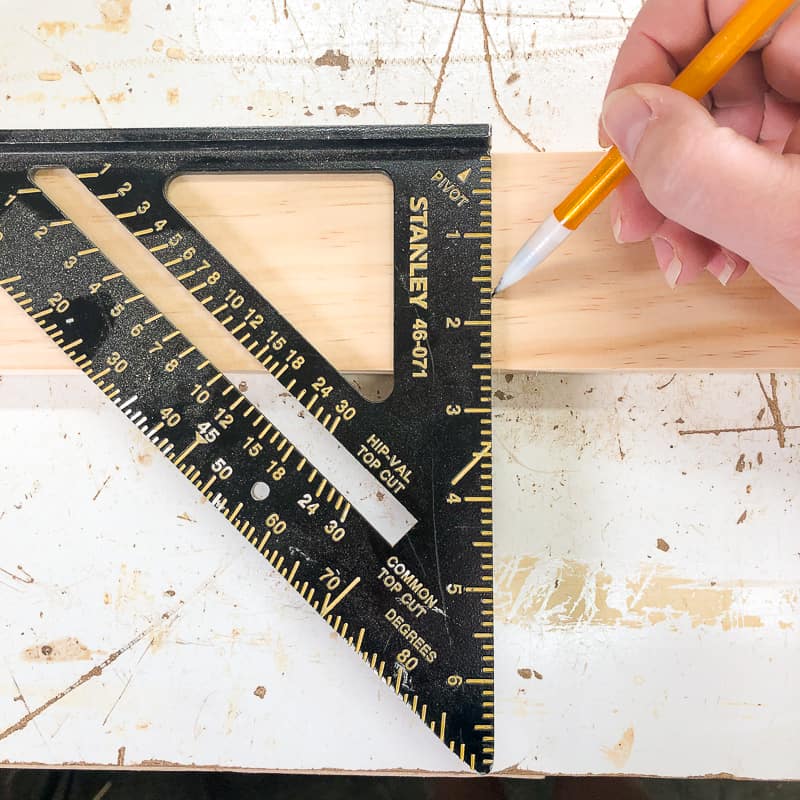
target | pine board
[{"x": 321, "y": 250}]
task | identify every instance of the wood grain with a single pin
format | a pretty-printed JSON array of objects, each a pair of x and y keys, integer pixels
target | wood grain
[{"x": 320, "y": 248}]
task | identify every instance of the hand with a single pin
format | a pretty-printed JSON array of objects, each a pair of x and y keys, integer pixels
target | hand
[{"x": 715, "y": 186}]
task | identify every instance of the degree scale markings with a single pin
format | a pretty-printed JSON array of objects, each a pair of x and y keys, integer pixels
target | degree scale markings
[{"x": 422, "y": 622}]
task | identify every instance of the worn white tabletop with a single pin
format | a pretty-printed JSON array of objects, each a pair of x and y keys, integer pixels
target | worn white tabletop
[{"x": 648, "y": 573}]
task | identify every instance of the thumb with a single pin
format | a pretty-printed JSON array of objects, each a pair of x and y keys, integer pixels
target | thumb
[{"x": 710, "y": 179}]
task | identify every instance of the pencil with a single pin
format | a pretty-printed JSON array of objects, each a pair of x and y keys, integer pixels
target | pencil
[{"x": 735, "y": 39}]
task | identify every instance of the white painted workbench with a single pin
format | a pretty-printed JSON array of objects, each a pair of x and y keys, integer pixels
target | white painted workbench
[{"x": 648, "y": 573}]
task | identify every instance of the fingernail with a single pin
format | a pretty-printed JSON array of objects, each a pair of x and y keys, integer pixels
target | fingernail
[
  {"x": 727, "y": 272},
  {"x": 617, "y": 229},
  {"x": 602, "y": 136},
  {"x": 668, "y": 260},
  {"x": 722, "y": 268},
  {"x": 625, "y": 118}
]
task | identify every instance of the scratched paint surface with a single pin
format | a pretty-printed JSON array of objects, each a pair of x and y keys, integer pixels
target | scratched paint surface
[
  {"x": 648, "y": 575},
  {"x": 648, "y": 590},
  {"x": 532, "y": 68}
]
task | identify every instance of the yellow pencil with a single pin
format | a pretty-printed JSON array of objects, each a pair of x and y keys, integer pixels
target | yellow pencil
[{"x": 735, "y": 39}]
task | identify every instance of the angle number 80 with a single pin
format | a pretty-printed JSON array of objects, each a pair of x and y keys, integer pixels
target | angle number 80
[{"x": 405, "y": 659}]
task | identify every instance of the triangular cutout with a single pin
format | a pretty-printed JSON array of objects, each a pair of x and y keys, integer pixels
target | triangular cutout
[{"x": 320, "y": 246}]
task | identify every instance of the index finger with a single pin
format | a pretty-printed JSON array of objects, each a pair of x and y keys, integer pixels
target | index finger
[
  {"x": 666, "y": 36},
  {"x": 663, "y": 39},
  {"x": 658, "y": 45}
]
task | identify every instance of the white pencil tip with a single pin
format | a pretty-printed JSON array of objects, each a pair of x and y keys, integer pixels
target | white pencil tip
[
  {"x": 501, "y": 284},
  {"x": 547, "y": 238}
]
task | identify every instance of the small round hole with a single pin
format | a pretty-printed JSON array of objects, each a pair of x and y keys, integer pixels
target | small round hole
[{"x": 260, "y": 491}]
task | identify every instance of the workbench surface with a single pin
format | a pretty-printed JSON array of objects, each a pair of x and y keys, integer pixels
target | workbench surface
[{"x": 647, "y": 566}]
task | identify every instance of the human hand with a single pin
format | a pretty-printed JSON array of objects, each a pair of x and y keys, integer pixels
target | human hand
[{"x": 715, "y": 186}]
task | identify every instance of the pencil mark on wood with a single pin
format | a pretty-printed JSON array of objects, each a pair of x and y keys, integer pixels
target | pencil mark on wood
[{"x": 445, "y": 60}]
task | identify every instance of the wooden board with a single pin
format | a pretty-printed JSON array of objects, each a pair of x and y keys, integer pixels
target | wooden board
[{"x": 320, "y": 248}]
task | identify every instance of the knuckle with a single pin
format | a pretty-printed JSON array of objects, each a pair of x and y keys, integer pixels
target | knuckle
[{"x": 781, "y": 66}]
